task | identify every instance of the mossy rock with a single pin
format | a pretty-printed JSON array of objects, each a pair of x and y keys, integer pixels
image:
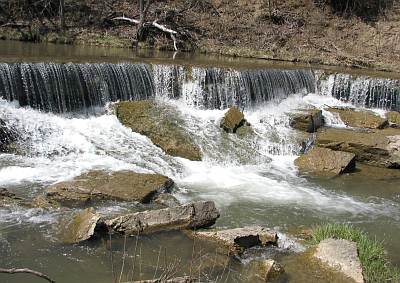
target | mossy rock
[{"x": 161, "y": 125}]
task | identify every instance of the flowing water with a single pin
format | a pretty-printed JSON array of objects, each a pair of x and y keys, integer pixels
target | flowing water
[{"x": 61, "y": 113}]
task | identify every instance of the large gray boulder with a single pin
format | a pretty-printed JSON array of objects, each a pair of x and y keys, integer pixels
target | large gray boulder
[
  {"x": 341, "y": 255},
  {"x": 189, "y": 216},
  {"x": 374, "y": 147},
  {"x": 309, "y": 120},
  {"x": 238, "y": 239},
  {"x": 324, "y": 161},
  {"x": 161, "y": 125},
  {"x": 102, "y": 185},
  {"x": 360, "y": 118},
  {"x": 80, "y": 227}
]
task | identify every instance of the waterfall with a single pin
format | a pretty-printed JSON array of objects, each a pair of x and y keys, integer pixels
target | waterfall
[
  {"x": 62, "y": 88},
  {"x": 217, "y": 88},
  {"x": 362, "y": 91},
  {"x": 71, "y": 87}
]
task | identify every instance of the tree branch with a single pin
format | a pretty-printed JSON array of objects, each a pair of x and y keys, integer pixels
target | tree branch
[{"x": 26, "y": 270}]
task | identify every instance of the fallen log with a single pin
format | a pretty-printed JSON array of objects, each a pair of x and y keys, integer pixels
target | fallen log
[
  {"x": 154, "y": 24},
  {"x": 28, "y": 271}
]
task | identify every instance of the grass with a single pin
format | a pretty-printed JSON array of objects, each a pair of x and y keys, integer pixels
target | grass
[{"x": 375, "y": 264}]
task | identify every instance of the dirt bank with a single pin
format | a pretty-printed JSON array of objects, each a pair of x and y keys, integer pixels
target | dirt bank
[{"x": 294, "y": 30}]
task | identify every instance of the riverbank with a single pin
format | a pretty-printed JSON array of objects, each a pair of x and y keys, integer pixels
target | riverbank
[{"x": 296, "y": 31}]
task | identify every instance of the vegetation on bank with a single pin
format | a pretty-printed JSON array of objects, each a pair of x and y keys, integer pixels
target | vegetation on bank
[{"x": 376, "y": 267}]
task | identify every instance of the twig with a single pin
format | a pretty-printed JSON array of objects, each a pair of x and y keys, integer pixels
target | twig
[
  {"x": 158, "y": 261},
  {"x": 26, "y": 270},
  {"x": 123, "y": 261}
]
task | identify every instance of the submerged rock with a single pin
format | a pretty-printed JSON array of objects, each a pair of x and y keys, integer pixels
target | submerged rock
[
  {"x": 341, "y": 255},
  {"x": 44, "y": 203},
  {"x": 160, "y": 125},
  {"x": 8, "y": 199},
  {"x": 265, "y": 270},
  {"x": 239, "y": 239},
  {"x": 360, "y": 118},
  {"x": 101, "y": 185},
  {"x": 376, "y": 147},
  {"x": 190, "y": 216},
  {"x": 394, "y": 119},
  {"x": 307, "y": 121},
  {"x": 326, "y": 161},
  {"x": 81, "y": 227},
  {"x": 233, "y": 120}
]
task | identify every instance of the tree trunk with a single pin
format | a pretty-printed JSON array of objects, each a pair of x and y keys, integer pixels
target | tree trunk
[
  {"x": 143, "y": 7},
  {"x": 62, "y": 15}
]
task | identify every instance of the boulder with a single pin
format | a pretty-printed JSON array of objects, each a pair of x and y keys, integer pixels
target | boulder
[
  {"x": 265, "y": 270},
  {"x": 239, "y": 239},
  {"x": 161, "y": 125},
  {"x": 44, "y": 203},
  {"x": 101, "y": 185},
  {"x": 81, "y": 227},
  {"x": 8, "y": 199},
  {"x": 166, "y": 200},
  {"x": 7, "y": 136},
  {"x": 189, "y": 216},
  {"x": 360, "y": 118},
  {"x": 326, "y": 161},
  {"x": 394, "y": 118},
  {"x": 309, "y": 120},
  {"x": 374, "y": 147},
  {"x": 341, "y": 255},
  {"x": 233, "y": 120}
]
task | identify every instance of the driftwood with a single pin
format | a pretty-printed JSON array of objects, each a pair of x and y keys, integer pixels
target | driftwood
[
  {"x": 28, "y": 271},
  {"x": 158, "y": 26}
]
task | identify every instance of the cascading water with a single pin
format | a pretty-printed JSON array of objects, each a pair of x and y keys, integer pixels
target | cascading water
[{"x": 361, "y": 91}]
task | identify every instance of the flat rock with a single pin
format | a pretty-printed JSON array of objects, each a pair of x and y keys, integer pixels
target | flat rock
[
  {"x": 309, "y": 120},
  {"x": 101, "y": 185},
  {"x": 394, "y": 118},
  {"x": 326, "y": 161},
  {"x": 233, "y": 120},
  {"x": 341, "y": 255},
  {"x": 360, "y": 118},
  {"x": 81, "y": 227},
  {"x": 265, "y": 270},
  {"x": 374, "y": 147},
  {"x": 161, "y": 125},
  {"x": 8, "y": 199},
  {"x": 189, "y": 216},
  {"x": 239, "y": 239}
]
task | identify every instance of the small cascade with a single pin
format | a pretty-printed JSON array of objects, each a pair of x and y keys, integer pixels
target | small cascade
[
  {"x": 71, "y": 87},
  {"x": 362, "y": 91},
  {"x": 217, "y": 88}
]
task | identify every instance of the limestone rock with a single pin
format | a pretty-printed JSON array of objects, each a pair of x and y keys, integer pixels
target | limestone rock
[
  {"x": 8, "y": 199},
  {"x": 101, "y": 185},
  {"x": 166, "y": 200},
  {"x": 360, "y": 118},
  {"x": 233, "y": 120},
  {"x": 307, "y": 120},
  {"x": 44, "y": 203},
  {"x": 326, "y": 161},
  {"x": 81, "y": 227},
  {"x": 375, "y": 147},
  {"x": 239, "y": 239},
  {"x": 341, "y": 255},
  {"x": 189, "y": 216},
  {"x": 265, "y": 269},
  {"x": 394, "y": 118},
  {"x": 160, "y": 125}
]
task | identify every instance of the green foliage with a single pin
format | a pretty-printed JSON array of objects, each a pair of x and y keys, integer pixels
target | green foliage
[{"x": 376, "y": 267}]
